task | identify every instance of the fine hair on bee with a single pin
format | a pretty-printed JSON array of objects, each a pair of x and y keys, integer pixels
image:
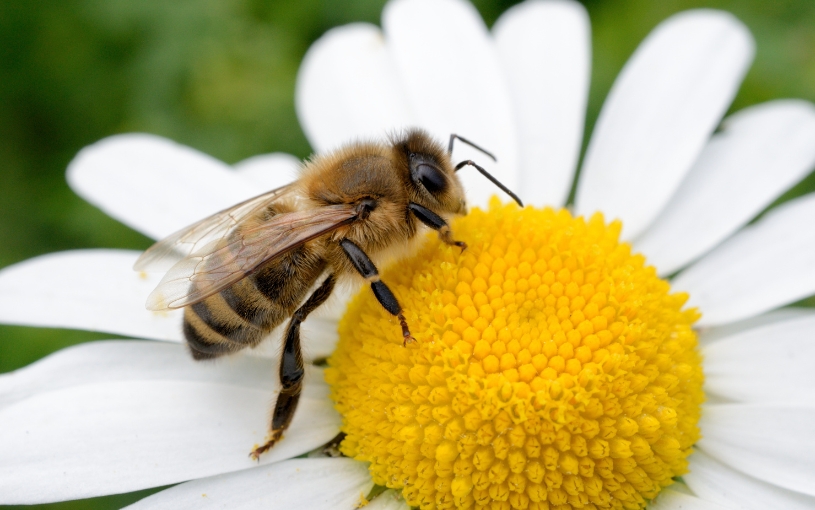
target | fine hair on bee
[{"x": 241, "y": 272}]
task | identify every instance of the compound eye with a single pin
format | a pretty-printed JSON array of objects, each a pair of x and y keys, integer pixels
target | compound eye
[{"x": 431, "y": 178}]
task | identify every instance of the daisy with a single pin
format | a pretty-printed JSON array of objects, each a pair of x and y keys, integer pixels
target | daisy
[{"x": 505, "y": 403}]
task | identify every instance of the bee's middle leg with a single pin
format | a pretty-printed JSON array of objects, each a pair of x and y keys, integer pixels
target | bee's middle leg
[
  {"x": 437, "y": 223},
  {"x": 365, "y": 266},
  {"x": 291, "y": 368}
]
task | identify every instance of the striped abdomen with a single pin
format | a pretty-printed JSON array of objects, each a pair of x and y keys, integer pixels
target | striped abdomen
[{"x": 242, "y": 315}]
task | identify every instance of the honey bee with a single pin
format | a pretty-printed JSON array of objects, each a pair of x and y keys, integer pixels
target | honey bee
[{"x": 243, "y": 271}]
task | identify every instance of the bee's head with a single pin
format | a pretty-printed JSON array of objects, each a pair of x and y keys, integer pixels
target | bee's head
[{"x": 430, "y": 176}]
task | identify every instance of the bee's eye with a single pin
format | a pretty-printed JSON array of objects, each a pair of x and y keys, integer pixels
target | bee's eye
[{"x": 430, "y": 177}]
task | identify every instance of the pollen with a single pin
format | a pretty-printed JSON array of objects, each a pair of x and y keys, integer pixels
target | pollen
[{"x": 553, "y": 369}]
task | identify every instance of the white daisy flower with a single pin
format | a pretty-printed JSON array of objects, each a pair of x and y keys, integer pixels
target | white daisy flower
[{"x": 111, "y": 417}]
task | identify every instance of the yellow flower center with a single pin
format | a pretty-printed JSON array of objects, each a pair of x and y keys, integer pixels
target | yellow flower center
[{"x": 553, "y": 370}]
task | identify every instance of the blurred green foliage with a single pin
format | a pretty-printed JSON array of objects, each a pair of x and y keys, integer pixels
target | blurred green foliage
[{"x": 219, "y": 75}]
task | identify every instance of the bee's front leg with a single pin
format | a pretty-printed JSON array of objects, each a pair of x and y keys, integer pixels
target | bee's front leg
[
  {"x": 365, "y": 266},
  {"x": 437, "y": 223}
]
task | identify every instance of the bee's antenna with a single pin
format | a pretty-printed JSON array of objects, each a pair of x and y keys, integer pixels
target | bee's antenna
[
  {"x": 488, "y": 176},
  {"x": 454, "y": 137}
]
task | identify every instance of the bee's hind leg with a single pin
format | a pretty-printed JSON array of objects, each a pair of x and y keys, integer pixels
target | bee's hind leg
[{"x": 291, "y": 368}]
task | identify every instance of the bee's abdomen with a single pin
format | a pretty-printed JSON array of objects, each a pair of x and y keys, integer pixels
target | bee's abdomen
[{"x": 243, "y": 314}]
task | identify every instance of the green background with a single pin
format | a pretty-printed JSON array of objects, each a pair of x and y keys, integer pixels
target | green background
[{"x": 219, "y": 75}]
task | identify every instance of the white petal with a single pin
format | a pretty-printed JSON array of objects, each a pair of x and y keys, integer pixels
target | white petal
[
  {"x": 154, "y": 185},
  {"x": 762, "y": 151},
  {"x": 335, "y": 307},
  {"x": 711, "y": 335},
  {"x": 715, "y": 482},
  {"x": 314, "y": 484},
  {"x": 674, "y": 500},
  {"x": 679, "y": 486},
  {"x": 660, "y": 112},
  {"x": 769, "y": 364},
  {"x": 545, "y": 49},
  {"x": 95, "y": 290},
  {"x": 770, "y": 442},
  {"x": 455, "y": 84},
  {"x": 269, "y": 171},
  {"x": 318, "y": 335},
  {"x": 766, "y": 265},
  {"x": 388, "y": 500},
  {"x": 134, "y": 360},
  {"x": 348, "y": 89},
  {"x": 107, "y": 433}
]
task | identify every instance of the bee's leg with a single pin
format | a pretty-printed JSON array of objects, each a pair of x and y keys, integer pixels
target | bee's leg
[
  {"x": 291, "y": 367},
  {"x": 437, "y": 223},
  {"x": 383, "y": 294}
]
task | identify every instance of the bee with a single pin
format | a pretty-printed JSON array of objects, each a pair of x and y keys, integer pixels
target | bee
[{"x": 241, "y": 272}]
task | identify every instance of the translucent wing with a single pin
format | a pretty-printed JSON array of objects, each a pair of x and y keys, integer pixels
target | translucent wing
[
  {"x": 226, "y": 261},
  {"x": 170, "y": 250}
]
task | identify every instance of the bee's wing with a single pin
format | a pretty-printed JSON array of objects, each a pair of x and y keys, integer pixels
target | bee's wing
[
  {"x": 226, "y": 261},
  {"x": 170, "y": 250}
]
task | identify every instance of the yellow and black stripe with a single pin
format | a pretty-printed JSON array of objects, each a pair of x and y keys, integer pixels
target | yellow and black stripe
[{"x": 243, "y": 314}]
